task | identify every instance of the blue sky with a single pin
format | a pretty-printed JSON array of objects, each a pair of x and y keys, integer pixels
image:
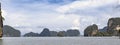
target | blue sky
[{"x": 58, "y": 15}]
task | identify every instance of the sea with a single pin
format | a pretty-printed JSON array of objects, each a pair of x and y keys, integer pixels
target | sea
[{"x": 60, "y": 41}]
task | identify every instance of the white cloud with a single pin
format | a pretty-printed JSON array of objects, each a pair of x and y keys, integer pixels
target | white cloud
[
  {"x": 50, "y": 20},
  {"x": 38, "y": 14},
  {"x": 84, "y": 5},
  {"x": 76, "y": 24}
]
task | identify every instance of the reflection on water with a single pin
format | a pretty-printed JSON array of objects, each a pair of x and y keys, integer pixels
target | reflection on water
[{"x": 60, "y": 41}]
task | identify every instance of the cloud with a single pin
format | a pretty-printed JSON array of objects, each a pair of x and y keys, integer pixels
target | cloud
[
  {"x": 88, "y": 4},
  {"x": 76, "y": 23},
  {"x": 91, "y": 12},
  {"x": 26, "y": 17},
  {"x": 30, "y": 15}
]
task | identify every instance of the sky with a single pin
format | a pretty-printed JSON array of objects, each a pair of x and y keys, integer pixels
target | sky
[{"x": 58, "y": 15}]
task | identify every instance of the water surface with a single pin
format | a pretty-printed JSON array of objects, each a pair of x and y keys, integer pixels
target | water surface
[{"x": 60, "y": 41}]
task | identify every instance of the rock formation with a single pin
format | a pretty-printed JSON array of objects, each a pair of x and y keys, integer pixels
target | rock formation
[
  {"x": 104, "y": 29},
  {"x": 73, "y": 32},
  {"x": 91, "y": 30},
  {"x": 61, "y": 34},
  {"x": 31, "y": 34},
  {"x": 113, "y": 26},
  {"x": 53, "y": 33},
  {"x": 45, "y": 32},
  {"x": 9, "y": 31}
]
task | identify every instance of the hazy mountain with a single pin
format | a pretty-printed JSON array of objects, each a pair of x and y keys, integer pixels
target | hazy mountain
[
  {"x": 53, "y": 33},
  {"x": 45, "y": 32},
  {"x": 9, "y": 31},
  {"x": 104, "y": 29},
  {"x": 73, "y": 32},
  {"x": 31, "y": 34}
]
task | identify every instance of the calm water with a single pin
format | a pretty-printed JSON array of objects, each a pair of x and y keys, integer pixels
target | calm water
[{"x": 60, "y": 41}]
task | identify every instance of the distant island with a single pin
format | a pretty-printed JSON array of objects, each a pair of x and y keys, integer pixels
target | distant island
[
  {"x": 47, "y": 33},
  {"x": 9, "y": 31},
  {"x": 112, "y": 29}
]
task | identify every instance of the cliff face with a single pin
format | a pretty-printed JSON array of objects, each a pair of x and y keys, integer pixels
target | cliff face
[
  {"x": 9, "y": 31},
  {"x": 91, "y": 30},
  {"x": 113, "y": 26}
]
